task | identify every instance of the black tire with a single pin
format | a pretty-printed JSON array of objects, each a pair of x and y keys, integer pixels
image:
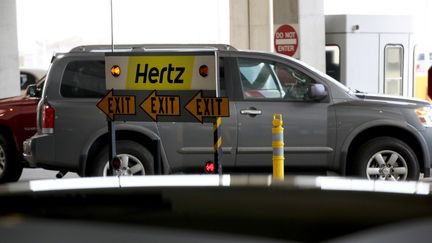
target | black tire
[
  {"x": 11, "y": 166},
  {"x": 386, "y": 158},
  {"x": 136, "y": 154}
]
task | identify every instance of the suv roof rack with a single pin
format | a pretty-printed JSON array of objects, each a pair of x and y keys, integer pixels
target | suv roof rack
[{"x": 143, "y": 47}]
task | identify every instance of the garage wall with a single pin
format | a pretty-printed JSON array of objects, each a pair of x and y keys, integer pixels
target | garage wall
[{"x": 9, "y": 73}]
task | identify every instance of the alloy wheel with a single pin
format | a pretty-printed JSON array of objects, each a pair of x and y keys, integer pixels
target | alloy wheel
[
  {"x": 130, "y": 166},
  {"x": 387, "y": 165}
]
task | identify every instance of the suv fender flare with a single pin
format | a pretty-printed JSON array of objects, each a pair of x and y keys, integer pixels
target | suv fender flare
[
  {"x": 122, "y": 127},
  {"x": 377, "y": 123}
]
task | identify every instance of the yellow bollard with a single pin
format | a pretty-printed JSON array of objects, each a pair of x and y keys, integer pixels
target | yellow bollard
[{"x": 278, "y": 147}]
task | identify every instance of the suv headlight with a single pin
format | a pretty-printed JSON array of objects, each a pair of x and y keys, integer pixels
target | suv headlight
[{"x": 425, "y": 115}]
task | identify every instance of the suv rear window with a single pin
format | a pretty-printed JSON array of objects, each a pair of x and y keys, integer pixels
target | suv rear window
[{"x": 84, "y": 79}]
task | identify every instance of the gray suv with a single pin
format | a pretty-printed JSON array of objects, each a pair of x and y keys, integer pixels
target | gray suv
[{"x": 328, "y": 127}]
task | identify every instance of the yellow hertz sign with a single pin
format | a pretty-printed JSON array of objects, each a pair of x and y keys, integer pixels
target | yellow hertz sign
[{"x": 161, "y": 72}]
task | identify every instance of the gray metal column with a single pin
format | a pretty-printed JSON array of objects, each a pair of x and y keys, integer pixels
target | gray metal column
[
  {"x": 9, "y": 67},
  {"x": 253, "y": 24}
]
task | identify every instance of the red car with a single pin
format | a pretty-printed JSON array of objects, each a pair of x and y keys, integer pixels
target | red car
[{"x": 17, "y": 123}]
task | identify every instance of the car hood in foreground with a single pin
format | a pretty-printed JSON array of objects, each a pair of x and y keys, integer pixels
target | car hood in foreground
[{"x": 252, "y": 206}]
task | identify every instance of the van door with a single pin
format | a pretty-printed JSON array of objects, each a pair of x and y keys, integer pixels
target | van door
[{"x": 270, "y": 87}]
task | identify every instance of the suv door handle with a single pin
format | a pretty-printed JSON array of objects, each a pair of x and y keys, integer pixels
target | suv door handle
[{"x": 250, "y": 112}]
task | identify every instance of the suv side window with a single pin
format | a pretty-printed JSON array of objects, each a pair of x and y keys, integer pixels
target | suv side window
[
  {"x": 296, "y": 85},
  {"x": 262, "y": 79},
  {"x": 84, "y": 79},
  {"x": 258, "y": 80}
]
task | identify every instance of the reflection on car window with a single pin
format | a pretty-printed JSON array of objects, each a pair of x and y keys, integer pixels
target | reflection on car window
[
  {"x": 270, "y": 80},
  {"x": 258, "y": 79},
  {"x": 296, "y": 84},
  {"x": 84, "y": 79}
]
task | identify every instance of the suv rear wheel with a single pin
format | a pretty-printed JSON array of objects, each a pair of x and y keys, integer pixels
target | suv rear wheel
[
  {"x": 10, "y": 165},
  {"x": 386, "y": 158},
  {"x": 135, "y": 160}
]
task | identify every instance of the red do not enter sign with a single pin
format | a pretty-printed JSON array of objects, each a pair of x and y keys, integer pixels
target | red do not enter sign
[{"x": 286, "y": 40}]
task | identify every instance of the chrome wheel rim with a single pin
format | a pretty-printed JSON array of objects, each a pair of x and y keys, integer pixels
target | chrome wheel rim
[
  {"x": 129, "y": 166},
  {"x": 387, "y": 165}
]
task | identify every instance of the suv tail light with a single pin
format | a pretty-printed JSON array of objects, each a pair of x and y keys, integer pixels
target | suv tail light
[{"x": 48, "y": 117}]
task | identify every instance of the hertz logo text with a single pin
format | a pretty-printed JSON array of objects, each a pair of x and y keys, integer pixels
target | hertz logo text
[{"x": 169, "y": 74}]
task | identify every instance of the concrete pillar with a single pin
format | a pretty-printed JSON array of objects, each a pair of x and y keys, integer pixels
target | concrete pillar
[
  {"x": 312, "y": 33},
  {"x": 253, "y": 24},
  {"x": 307, "y": 17},
  {"x": 261, "y": 25},
  {"x": 239, "y": 24},
  {"x": 9, "y": 69}
]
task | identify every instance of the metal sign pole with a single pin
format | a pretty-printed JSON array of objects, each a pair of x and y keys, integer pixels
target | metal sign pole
[
  {"x": 217, "y": 139},
  {"x": 111, "y": 127},
  {"x": 112, "y": 146}
]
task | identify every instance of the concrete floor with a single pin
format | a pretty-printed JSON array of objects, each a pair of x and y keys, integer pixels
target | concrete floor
[{"x": 37, "y": 174}]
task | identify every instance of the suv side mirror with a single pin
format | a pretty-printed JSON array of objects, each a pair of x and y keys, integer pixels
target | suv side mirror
[
  {"x": 317, "y": 92},
  {"x": 32, "y": 91}
]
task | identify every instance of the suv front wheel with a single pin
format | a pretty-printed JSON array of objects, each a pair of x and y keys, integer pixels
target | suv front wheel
[
  {"x": 386, "y": 158},
  {"x": 135, "y": 160}
]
